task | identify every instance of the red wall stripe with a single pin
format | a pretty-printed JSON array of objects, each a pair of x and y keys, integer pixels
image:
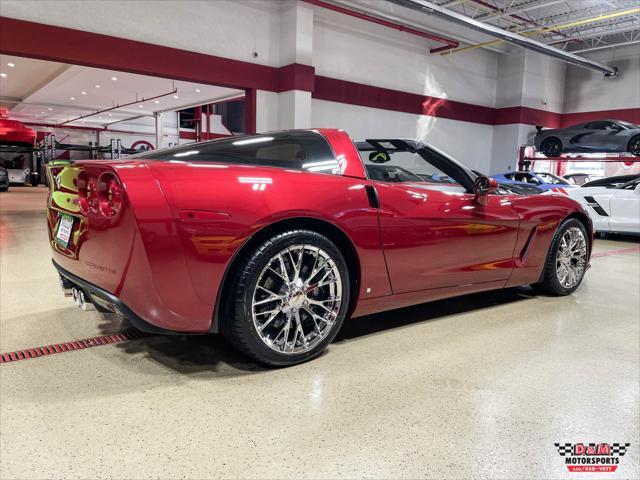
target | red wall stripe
[
  {"x": 60, "y": 44},
  {"x": 46, "y": 42}
]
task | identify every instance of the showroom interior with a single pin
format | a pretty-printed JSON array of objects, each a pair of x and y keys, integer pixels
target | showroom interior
[{"x": 487, "y": 383}]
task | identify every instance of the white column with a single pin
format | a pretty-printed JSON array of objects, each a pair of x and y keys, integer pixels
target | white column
[
  {"x": 159, "y": 132},
  {"x": 296, "y": 46}
]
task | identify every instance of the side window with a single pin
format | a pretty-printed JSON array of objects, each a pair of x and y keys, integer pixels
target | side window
[
  {"x": 597, "y": 125},
  {"x": 293, "y": 150},
  {"x": 403, "y": 166}
]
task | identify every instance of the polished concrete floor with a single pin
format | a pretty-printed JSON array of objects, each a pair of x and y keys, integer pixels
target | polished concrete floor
[{"x": 477, "y": 387}]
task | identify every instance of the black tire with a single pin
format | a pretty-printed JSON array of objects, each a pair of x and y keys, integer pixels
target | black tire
[
  {"x": 4, "y": 189},
  {"x": 237, "y": 324},
  {"x": 634, "y": 146},
  {"x": 550, "y": 282},
  {"x": 551, "y": 147}
]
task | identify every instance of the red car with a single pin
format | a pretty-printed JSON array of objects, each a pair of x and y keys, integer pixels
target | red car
[{"x": 273, "y": 240}]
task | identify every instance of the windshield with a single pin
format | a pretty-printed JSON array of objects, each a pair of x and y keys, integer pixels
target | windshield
[{"x": 628, "y": 125}]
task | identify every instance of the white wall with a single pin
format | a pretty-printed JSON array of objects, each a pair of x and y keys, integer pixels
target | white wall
[
  {"x": 467, "y": 142},
  {"x": 351, "y": 49},
  {"x": 227, "y": 28},
  {"x": 588, "y": 91}
]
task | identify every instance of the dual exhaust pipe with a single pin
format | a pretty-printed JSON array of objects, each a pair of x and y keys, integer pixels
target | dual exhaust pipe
[{"x": 70, "y": 290}]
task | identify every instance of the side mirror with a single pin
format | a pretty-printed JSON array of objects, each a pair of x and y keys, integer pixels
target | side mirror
[{"x": 482, "y": 187}]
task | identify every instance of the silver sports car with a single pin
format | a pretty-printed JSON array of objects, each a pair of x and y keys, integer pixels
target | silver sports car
[{"x": 597, "y": 136}]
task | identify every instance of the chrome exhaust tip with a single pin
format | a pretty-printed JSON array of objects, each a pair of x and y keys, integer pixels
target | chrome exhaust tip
[{"x": 81, "y": 299}]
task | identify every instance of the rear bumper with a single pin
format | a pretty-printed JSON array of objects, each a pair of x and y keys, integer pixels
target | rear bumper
[{"x": 94, "y": 291}]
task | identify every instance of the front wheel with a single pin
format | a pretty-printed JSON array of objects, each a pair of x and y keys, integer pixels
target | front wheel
[
  {"x": 288, "y": 299},
  {"x": 634, "y": 146},
  {"x": 566, "y": 261}
]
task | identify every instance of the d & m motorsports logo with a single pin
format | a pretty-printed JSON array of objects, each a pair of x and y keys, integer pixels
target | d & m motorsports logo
[{"x": 592, "y": 457}]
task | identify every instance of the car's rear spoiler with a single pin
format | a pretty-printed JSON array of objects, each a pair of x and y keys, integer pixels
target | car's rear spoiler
[{"x": 539, "y": 128}]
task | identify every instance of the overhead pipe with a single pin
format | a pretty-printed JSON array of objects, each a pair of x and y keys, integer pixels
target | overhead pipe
[
  {"x": 120, "y": 106},
  {"x": 431, "y": 8},
  {"x": 380, "y": 20}
]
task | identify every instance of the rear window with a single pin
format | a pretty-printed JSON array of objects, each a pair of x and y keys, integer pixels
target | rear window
[{"x": 294, "y": 150}]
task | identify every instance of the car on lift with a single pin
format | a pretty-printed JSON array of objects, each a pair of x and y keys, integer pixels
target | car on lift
[
  {"x": 274, "y": 239},
  {"x": 615, "y": 136},
  {"x": 541, "y": 180},
  {"x": 4, "y": 180},
  {"x": 614, "y": 209}
]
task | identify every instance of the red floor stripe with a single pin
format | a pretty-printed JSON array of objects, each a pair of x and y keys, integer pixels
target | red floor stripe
[
  {"x": 618, "y": 251},
  {"x": 71, "y": 346}
]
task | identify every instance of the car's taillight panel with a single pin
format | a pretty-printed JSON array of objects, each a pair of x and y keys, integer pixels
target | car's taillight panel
[{"x": 110, "y": 195}]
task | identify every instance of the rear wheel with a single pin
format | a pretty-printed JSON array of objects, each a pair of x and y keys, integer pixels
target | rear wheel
[
  {"x": 634, "y": 146},
  {"x": 551, "y": 147},
  {"x": 566, "y": 261},
  {"x": 289, "y": 299}
]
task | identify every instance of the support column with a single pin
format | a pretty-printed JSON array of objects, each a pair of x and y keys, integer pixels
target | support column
[
  {"x": 159, "y": 132},
  {"x": 296, "y": 47}
]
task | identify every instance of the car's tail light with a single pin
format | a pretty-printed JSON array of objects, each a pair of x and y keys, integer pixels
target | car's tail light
[{"x": 110, "y": 195}]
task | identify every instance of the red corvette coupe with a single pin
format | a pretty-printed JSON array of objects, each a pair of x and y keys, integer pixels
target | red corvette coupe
[{"x": 274, "y": 239}]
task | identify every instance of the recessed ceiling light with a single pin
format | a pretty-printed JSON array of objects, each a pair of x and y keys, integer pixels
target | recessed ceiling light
[
  {"x": 42, "y": 112},
  {"x": 109, "y": 114},
  {"x": 72, "y": 98},
  {"x": 49, "y": 108},
  {"x": 114, "y": 78},
  {"x": 156, "y": 101},
  {"x": 11, "y": 64},
  {"x": 99, "y": 118},
  {"x": 83, "y": 93},
  {"x": 197, "y": 90},
  {"x": 140, "y": 106},
  {"x": 3, "y": 75},
  {"x": 97, "y": 86},
  {"x": 176, "y": 96}
]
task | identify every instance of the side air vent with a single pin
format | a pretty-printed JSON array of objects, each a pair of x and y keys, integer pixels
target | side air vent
[{"x": 596, "y": 206}]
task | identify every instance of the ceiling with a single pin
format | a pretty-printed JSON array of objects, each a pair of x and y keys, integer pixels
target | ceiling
[
  {"x": 48, "y": 92},
  {"x": 572, "y": 25}
]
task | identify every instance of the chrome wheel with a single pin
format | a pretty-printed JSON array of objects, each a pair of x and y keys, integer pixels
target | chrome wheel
[
  {"x": 571, "y": 258},
  {"x": 296, "y": 299}
]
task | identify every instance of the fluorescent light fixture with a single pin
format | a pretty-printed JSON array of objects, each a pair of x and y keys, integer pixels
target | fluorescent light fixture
[
  {"x": 72, "y": 98},
  {"x": 114, "y": 78},
  {"x": 49, "y": 108},
  {"x": 156, "y": 101},
  {"x": 140, "y": 106},
  {"x": 97, "y": 86},
  {"x": 197, "y": 90},
  {"x": 320, "y": 164},
  {"x": 187, "y": 153},
  {"x": 249, "y": 141},
  {"x": 3, "y": 75},
  {"x": 83, "y": 93},
  {"x": 11, "y": 64},
  {"x": 176, "y": 96}
]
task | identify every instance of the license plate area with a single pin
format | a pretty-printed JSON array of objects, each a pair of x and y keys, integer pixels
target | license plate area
[{"x": 63, "y": 232}]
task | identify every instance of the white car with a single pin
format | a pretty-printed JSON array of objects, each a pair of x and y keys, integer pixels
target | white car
[{"x": 612, "y": 209}]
